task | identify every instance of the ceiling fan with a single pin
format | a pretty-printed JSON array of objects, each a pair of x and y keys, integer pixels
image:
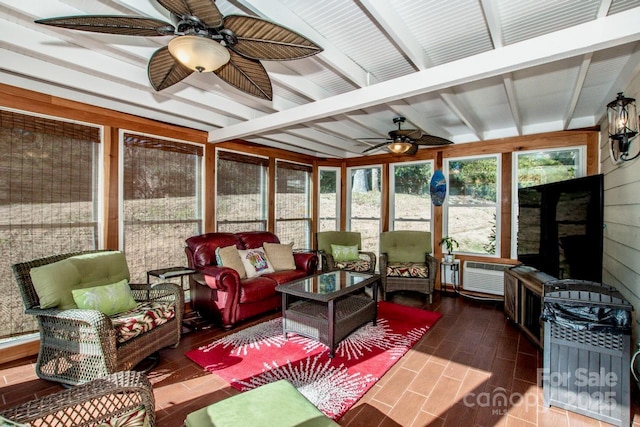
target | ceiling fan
[
  {"x": 230, "y": 46},
  {"x": 406, "y": 141}
]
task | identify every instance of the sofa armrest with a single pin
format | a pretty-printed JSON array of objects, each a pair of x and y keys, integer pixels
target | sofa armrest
[
  {"x": 306, "y": 261},
  {"x": 224, "y": 279}
]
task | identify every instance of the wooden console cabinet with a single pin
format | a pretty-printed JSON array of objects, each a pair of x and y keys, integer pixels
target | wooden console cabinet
[{"x": 523, "y": 299}]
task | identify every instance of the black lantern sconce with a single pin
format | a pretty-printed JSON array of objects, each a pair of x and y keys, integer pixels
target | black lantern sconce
[{"x": 623, "y": 127}]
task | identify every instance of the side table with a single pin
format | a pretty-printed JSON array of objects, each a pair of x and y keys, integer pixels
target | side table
[
  {"x": 170, "y": 273},
  {"x": 449, "y": 275},
  {"x": 191, "y": 321}
]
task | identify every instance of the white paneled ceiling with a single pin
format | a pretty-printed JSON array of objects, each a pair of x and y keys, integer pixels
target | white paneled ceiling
[{"x": 465, "y": 70}]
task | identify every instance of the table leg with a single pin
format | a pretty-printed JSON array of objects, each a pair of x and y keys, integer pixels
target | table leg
[
  {"x": 284, "y": 316},
  {"x": 332, "y": 324},
  {"x": 375, "y": 300}
]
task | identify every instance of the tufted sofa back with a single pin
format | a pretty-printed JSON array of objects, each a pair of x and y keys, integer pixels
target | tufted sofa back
[{"x": 202, "y": 249}]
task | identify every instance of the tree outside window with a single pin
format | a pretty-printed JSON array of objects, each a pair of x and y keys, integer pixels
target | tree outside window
[
  {"x": 472, "y": 204},
  {"x": 410, "y": 197}
]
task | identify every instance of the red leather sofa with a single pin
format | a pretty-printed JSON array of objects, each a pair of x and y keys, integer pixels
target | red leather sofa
[{"x": 219, "y": 294}]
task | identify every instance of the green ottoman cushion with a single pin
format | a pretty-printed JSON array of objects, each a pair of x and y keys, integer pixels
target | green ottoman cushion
[{"x": 276, "y": 404}]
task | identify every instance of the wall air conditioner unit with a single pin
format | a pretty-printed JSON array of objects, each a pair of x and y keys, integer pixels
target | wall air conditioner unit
[{"x": 484, "y": 277}]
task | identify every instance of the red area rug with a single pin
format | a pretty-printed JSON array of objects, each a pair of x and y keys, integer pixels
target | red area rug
[{"x": 259, "y": 355}]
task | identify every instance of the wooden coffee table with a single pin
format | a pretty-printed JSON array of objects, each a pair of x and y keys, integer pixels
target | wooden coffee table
[{"x": 327, "y": 307}]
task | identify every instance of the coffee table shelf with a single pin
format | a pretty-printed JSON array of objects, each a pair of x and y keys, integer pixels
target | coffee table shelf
[
  {"x": 328, "y": 307},
  {"x": 309, "y": 318}
]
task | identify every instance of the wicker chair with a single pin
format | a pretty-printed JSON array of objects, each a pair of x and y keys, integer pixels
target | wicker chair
[
  {"x": 77, "y": 345},
  {"x": 405, "y": 262},
  {"x": 91, "y": 404},
  {"x": 324, "y": 239}
]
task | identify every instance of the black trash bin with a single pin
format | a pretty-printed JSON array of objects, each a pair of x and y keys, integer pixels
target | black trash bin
[{"x": 587, "y": 346}]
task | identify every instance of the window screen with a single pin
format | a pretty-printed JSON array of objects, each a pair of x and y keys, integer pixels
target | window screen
[
  {"x": 162, "y": 202},
  {"x": 48, "y": 203},
  {"x": 293, "y": 204},
  {"x": 241, "y": 192}
]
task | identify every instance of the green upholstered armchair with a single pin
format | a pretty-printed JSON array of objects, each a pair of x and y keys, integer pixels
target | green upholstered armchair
[
  {"x": 406, "y": 263},
  {"x": 363, "y": 262}
]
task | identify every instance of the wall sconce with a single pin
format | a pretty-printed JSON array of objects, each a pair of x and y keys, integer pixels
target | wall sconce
[{"x": 623, "y": 127}]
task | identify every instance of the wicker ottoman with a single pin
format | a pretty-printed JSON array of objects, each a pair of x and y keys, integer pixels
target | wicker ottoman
[{"x": 277, "y": 404}]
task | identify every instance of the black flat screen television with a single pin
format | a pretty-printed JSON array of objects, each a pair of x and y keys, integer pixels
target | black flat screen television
[{"x": 560, "y": 228}]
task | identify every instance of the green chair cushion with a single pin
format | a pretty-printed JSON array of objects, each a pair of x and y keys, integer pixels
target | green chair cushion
[
  {"x": 54, "y": 282},
  {"x": 273, "y": 404},
  {"x": 405, "y": 246},
  {"x": 5, "y": 422}
]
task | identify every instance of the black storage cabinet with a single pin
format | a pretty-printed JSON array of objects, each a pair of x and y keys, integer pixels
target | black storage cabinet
[{"x": 587, "y": 343}]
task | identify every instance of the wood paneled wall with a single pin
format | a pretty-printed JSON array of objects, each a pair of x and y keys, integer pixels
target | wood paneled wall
[{"x": 112, "y": 121}]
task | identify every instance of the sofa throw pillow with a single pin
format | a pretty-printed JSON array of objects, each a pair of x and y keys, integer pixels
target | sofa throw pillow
[
  {"x": 256, "y": 262},
  {"x": 344, "y": 253},
  {"x": 108, "y": 299},
  {"x": 280, "y": 255},
  {"x": 229, "y": 257}
]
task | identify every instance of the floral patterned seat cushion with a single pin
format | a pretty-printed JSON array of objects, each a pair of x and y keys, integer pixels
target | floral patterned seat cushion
[
  {"x": 407, "y": 269},
  {"x": 135, "y": 418},
  {"x": 360, "y": 265},
  {"x": 142, "y": 318}
]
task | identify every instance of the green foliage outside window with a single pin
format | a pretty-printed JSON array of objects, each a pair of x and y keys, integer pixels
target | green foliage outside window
[
  {"x": 412, "y": 179},
  {"x": 545, "y": 167},
  {"x": 475, "y": 178}
]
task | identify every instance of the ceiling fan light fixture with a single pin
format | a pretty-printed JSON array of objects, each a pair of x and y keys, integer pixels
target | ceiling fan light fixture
[
  {"x": 399, "y": 147},
  {"x": 199, "y": 53}
]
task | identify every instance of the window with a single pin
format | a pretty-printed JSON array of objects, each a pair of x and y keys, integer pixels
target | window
[
  {"x": 162, "y": 202},
  {"x": 543, "y": 167},
  {"x": 546, "y": 166},
  {"x": 241, "y": 192},
  {"x": 48, "y": 199},
  {"x": 293, "y": 204},
  {"x": 410, "y": 200},
  {"x": 329, "y": 200},
  {"x": 365, "y": 205},
  {"x": 471, "y": 209}
]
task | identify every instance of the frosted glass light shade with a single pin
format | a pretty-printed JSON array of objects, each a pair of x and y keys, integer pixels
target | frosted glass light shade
[
  {"x": 199, "y": 53},
  {"x": 399, "y": 147}
]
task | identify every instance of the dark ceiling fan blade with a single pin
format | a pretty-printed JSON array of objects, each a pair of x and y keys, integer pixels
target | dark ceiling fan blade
[
  {"x": 248, "y": 75},
  {"x": 413, "y": 150},
  {"x": 376, "y": 147},
  {"x": 164, "y": 71},
  {"x": 206, "y": 10},
  {"x": 260, "y": 39},
  {"x": 109, "y": 24},
  {"x": 432, "y": 140},
  {"x": 407, "y": 133}
]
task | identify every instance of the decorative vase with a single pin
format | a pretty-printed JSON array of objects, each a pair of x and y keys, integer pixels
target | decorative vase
[{"x": 448, "y": 258}]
